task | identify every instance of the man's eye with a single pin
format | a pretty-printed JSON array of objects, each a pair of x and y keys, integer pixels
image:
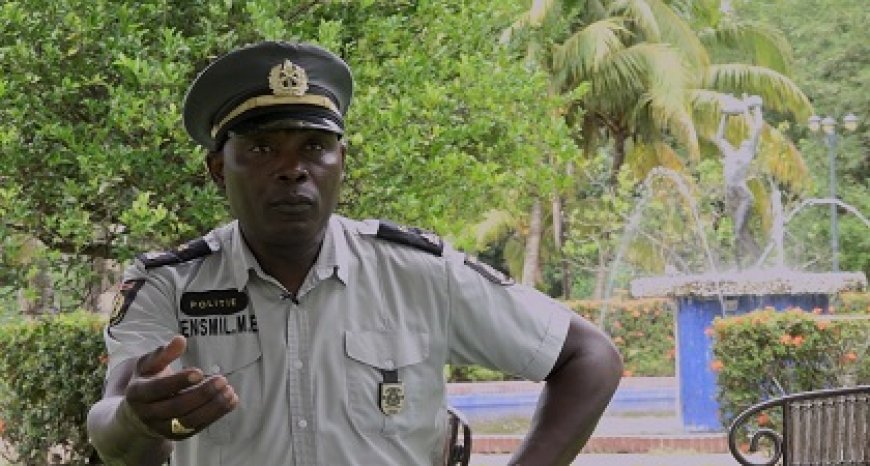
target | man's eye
[
  {"x": 261, "y": 149},
  {"x": 315, "y": 146}
]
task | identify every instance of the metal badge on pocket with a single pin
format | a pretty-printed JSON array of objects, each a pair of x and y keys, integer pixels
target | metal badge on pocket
[{"x": 391, "y": 397}]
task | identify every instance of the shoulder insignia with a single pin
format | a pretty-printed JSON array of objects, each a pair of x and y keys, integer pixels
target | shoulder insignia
[
  {"x": 489, "y": 272},
  {"x": 186, "y": 252},
  {"x": 411, "y": 236},
  {"x": 123, "y": 299}
]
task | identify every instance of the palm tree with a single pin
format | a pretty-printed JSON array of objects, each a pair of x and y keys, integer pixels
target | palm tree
[{"x": 653, "y": 73}]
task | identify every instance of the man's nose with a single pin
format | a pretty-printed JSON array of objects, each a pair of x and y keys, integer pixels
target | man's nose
[{"x": 291, "y": 170}]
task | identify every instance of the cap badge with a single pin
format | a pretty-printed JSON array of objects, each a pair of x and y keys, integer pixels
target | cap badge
[{"x": 288, "y": 78}]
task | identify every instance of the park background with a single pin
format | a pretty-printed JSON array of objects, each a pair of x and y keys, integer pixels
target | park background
[{"x": 521, "y": 131}]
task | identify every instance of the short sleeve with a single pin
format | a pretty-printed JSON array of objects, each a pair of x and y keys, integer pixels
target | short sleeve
[
  {"x": 143, "y": 316},
  {"x": 504, "y": 326}
]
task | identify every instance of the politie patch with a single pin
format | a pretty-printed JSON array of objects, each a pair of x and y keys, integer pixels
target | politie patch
[
  {"x": 213, "y": 302},
  {"x": 123, "y": 299}
]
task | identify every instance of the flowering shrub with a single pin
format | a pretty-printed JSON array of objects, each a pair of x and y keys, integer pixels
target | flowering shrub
[
  {"x": 643, "y": 331},
  {"x": 766, "y": 354},
  {"x": 51, "y": 372},
  {"x": 852, "y": 303}
]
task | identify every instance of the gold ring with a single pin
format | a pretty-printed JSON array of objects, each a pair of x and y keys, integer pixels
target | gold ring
[{"x": 178, "y": 428}]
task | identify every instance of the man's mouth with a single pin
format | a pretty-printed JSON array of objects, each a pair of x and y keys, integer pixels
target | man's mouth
[{"x": 294, "y": 205}]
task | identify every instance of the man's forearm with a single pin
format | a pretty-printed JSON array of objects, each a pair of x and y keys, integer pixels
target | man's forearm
[
  {"x": 570, "y": 406},
  {"x": 121, "y": 439}
]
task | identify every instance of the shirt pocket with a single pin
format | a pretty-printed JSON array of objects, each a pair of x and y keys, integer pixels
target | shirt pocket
[
  {"x": 240, "y": 360},
  {"x": 372, "y": 353}
]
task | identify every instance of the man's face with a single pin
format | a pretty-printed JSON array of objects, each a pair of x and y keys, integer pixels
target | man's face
[{"x": 282, "y": 185}]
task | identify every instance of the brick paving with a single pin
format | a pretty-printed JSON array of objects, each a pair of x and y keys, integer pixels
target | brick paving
[
  {"x": 628, "y": 459},
  {"x": 697, "y": 443}
]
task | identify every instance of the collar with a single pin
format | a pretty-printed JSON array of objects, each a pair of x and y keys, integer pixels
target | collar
[{"x": 333, "y": 258}]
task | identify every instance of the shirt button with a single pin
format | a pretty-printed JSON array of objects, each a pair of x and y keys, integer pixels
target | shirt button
[
  {"x": 390, "y": 364},
  {"x": 297, "y": 364},
  {"x": 302, "y": 423}
]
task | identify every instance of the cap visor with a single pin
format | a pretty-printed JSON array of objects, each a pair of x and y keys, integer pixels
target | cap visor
[{"x": 274, "y": 118}]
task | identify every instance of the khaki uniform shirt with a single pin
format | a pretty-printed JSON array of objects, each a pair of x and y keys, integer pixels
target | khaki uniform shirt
[{"x": 307, "y": 370}]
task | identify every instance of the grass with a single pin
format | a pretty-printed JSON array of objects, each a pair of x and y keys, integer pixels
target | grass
[{"x": 503, "y": 425}]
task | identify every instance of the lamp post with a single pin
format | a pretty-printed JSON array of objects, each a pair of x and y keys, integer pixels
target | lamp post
[{"x": 828, "y": 126}]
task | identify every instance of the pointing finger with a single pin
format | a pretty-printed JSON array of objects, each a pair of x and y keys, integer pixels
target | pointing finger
[{"x": 159, "y": 359}]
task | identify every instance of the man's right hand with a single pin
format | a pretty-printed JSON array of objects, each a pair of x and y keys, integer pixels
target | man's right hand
[{"x": 157, "y": 395}]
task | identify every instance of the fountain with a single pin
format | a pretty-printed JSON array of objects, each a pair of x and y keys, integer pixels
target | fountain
[{"x": 702, "y": 297}]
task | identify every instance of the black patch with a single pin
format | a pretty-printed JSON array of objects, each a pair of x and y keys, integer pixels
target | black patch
[
  {"x": 186, "y": 252},
  {"x": 411, "y": 236},
  {"x": 123, "y": 299},
  {"x": 489, "y": 272},
  {"x": 213, "y": 302}
]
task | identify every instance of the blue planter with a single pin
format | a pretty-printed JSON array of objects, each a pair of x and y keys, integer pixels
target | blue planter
[{"x": 697, "y": 382}]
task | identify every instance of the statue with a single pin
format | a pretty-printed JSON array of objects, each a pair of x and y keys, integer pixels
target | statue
[{"x": 736, "y": 160}]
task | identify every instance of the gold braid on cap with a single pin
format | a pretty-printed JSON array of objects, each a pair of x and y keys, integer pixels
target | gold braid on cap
[
  {"x": 272, "y": 100},
  {"x": 289, "y": 83}
]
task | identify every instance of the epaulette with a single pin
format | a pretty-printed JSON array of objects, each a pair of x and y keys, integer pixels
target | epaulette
[
  {"x": 411, "y": 236},
  {"x": 489, "y": 272},
  {"x": 186, "y": 252}
]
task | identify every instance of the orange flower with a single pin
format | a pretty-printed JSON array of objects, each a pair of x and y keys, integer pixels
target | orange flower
[
  {"x": 717, "y": 365},
  {"x": 635, "y": 314},
  {"x": 797, "y": 340},
  {"x": 817, "y": 310},
  {"x": 763, "y": 419},
  {"x": 785, "y": 339},
  {"x": 709, "y": 331},
  {"x": 104, "y": 359},
  {"x": 671, "y": 353},
  {"x": 850, "y": 357},
  {"x": 627, "y": 373},
  {"x": 831, "y": 310},
  {"x": 821, "y": 325}
]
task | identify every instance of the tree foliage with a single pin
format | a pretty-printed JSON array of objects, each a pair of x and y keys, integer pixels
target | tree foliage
[
  {"x": 655, "y": 72},
  {"x": 832, "y": 66},
  {"x": 96, "y": 163}
]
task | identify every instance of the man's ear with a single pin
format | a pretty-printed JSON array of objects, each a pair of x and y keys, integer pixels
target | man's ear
[
  {"x": 343, "y": 148},
  {"x": 214, "y": 161}
]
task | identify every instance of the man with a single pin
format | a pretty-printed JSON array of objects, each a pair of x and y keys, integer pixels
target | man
[
  {"x": 735, "y": 166},
  {"x": 294, "y": 336}
]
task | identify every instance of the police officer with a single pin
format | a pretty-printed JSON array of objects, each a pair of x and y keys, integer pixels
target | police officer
[{"x": 295, "y": 336}]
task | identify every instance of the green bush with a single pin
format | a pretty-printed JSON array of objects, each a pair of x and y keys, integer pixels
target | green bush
[
  {"x": 51, "y": 373},
  {"x": 765, "y": 354},
  {"x": 852, "y": 303},
  {"x": 643, "y": 331}
]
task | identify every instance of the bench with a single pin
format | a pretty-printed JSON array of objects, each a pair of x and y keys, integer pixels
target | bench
[{"x": 822, "y": 427}]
